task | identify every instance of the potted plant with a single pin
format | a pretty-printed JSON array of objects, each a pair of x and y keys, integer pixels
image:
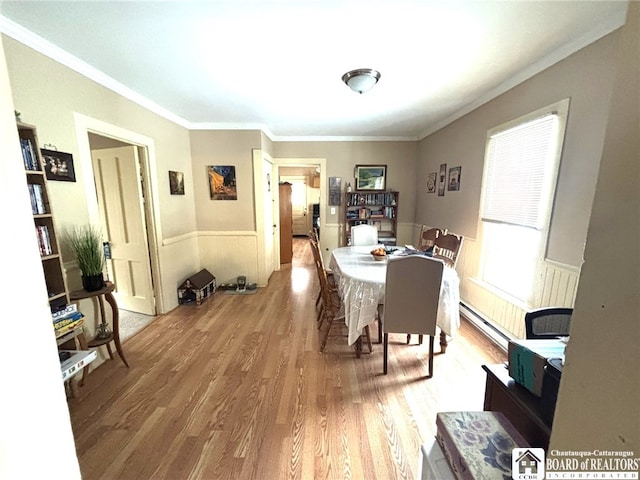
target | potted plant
[{"x": 86, "y": 243}]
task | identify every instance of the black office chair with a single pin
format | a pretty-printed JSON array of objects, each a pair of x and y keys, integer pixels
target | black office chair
[{"x": 548, "y": 322}]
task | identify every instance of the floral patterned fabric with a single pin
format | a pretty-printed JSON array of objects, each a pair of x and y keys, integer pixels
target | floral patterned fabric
[{"x": 478, "y": 445}]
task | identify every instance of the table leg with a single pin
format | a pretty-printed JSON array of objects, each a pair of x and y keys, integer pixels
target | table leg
[
  {"x": 116, "y": 332},
  {"x": 359, "y": 346},
  {"x": 443, "y": 342}
]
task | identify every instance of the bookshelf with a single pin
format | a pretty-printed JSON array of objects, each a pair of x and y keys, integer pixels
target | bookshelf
[
  {"x": 43, "y": 218},
  {"x": 69, "y": 333},
  {"x": 375, "y": 208}
]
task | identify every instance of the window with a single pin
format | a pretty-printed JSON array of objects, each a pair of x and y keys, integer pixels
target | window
[{"x": 521, "y": 166}]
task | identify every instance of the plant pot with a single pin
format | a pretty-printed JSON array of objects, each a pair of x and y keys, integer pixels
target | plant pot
[{"x": 92, "y": 283}]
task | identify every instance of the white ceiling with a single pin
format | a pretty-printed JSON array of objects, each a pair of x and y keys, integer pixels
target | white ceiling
[{"x": 277, "y": 65}]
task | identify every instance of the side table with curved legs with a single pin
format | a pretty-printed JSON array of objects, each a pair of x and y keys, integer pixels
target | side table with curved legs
[{"x": 104, "y": 293}]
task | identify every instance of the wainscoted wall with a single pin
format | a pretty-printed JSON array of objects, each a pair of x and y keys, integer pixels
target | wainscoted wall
[
  {"x": 556, "y": 286},
  {"x": 179, "y": 259},
  {"x": 229, "y": 254}
]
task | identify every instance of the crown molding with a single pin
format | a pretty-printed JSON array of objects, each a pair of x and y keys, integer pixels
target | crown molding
[
  {"x": 608, "y": 25},
  {"x": 39, "y": 44}
]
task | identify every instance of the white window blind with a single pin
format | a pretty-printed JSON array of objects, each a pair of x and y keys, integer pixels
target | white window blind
[{"x": 520, "y": 172}]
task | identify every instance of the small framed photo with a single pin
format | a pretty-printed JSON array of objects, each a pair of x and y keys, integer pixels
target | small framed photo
[
  {"x": 58, "y": 165},
  {"x": 335, "y": 191},
  {"x": 371, "y": 177},
  {"x": 176, "y": 183},
  {"x": 454, "y": 178},
  {"x": 431, "y": 182},
  {"x": 442, "y": 179}
]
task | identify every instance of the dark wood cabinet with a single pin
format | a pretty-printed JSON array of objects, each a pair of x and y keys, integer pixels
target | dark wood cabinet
[
  {"x": 286, "y": 224},
  {"x": 521, "y": 407}
]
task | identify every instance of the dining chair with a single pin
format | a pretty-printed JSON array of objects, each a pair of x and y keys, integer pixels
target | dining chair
[
  {"x": 412, "y": 292},
  {"x": 427, "y": 238},
  {"x": 548, "y": 322},
  {"x": 364, "y": 234},
  {"x": 332, "y": 308},
  {"x": 447, "y": 248},
  {"x": 326, "y": 274}
]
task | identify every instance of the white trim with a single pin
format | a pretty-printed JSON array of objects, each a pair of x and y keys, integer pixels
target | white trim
[
  {"x": 179, "y": 238},
  {"x": 327, "y": 138},
  {"x": 561, "y": 266},
  {"x": 84, "y": 125},
  {"x": 561, "y": 110},
  {"x": 216, "y": 233},
  {"x": 500, "y": 294},
  {"x": 489, "y": 329},
  {"x": 39, "y": 44}
]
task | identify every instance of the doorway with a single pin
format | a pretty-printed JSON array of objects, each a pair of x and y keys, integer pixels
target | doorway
[
  {"x": 119, "y": 185},
  {"x": 313, "y": 167},
  {"x": 120, "y": 197}
]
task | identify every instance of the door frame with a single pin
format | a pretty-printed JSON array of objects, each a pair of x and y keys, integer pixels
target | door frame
[
  {"x": 300, "y": 162},
  {"x": 146, "y": 148},
  {"x": 262, "y": 229}
]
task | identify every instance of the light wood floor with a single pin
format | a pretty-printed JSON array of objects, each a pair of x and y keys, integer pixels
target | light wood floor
[{"x": 237, "y": 388}]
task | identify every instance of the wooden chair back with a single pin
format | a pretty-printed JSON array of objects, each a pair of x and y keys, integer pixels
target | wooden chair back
[
  {"x": 447, "y": 248},
  {"x": 427, "y": 237}
]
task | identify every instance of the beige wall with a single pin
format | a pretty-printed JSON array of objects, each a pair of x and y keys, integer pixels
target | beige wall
[
  {"x": 224, "y": 147},
  {"x": 47, "y": 94},
  {"x": 36, "y": 440},
  {"x": 586, "y": 78},
  {"x": 342, "y": 157},
  {"x": 601, "y": 372}
]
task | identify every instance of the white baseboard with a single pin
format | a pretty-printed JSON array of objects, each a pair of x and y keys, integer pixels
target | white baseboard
[{"x": 495, "y": 334}]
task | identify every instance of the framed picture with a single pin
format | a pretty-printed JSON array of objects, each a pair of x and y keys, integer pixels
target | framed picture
[
  {"x": 442, "y": 179},
  {"x": 371, "y": 177},
  {"x": 176, "y": 183},
  {"x": 454, "y": 178},
  {"x": 335, "y": 191},
  {"x": 222, "y": 182},
  {"x": 58, "y": 165},
  {"x": 431, "y": 182}
]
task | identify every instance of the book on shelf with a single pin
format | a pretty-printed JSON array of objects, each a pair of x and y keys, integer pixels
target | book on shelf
[
  {"x": 29, "y": 156},
  {"x": 37, "y": 200},
  {"x": 44, "y": 240},
  {"x": 66, "y": 319},
  {"x": 68, "y": 327},
  {"x": 64, "y": 311}
]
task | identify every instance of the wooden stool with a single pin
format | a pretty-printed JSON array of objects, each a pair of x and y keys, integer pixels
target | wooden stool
[{"x": 104, "y": 293}]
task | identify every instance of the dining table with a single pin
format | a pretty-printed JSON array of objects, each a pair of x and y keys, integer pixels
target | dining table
[{"x": 361, "y": 284}]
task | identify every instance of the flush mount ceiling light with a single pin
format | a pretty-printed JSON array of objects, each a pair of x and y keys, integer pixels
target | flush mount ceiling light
[{"x": 361, "y": 80}]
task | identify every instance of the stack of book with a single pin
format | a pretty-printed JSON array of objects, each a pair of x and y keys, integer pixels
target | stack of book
[{"x": 67, "y": 320}]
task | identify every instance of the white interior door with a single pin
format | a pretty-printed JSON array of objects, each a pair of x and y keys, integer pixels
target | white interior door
[
  {"x": 269, "y": 224},
  {"x": 120, "y": 201}
]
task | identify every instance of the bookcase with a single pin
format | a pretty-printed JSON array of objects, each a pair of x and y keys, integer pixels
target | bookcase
[
  {"x": 67, "y": 324},
  {"x": 375, "y": 208},
  {"x": 43, "y": 218}
]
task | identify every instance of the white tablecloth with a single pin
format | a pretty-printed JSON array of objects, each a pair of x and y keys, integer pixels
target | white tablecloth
[{"x": 361, "y": 282}]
